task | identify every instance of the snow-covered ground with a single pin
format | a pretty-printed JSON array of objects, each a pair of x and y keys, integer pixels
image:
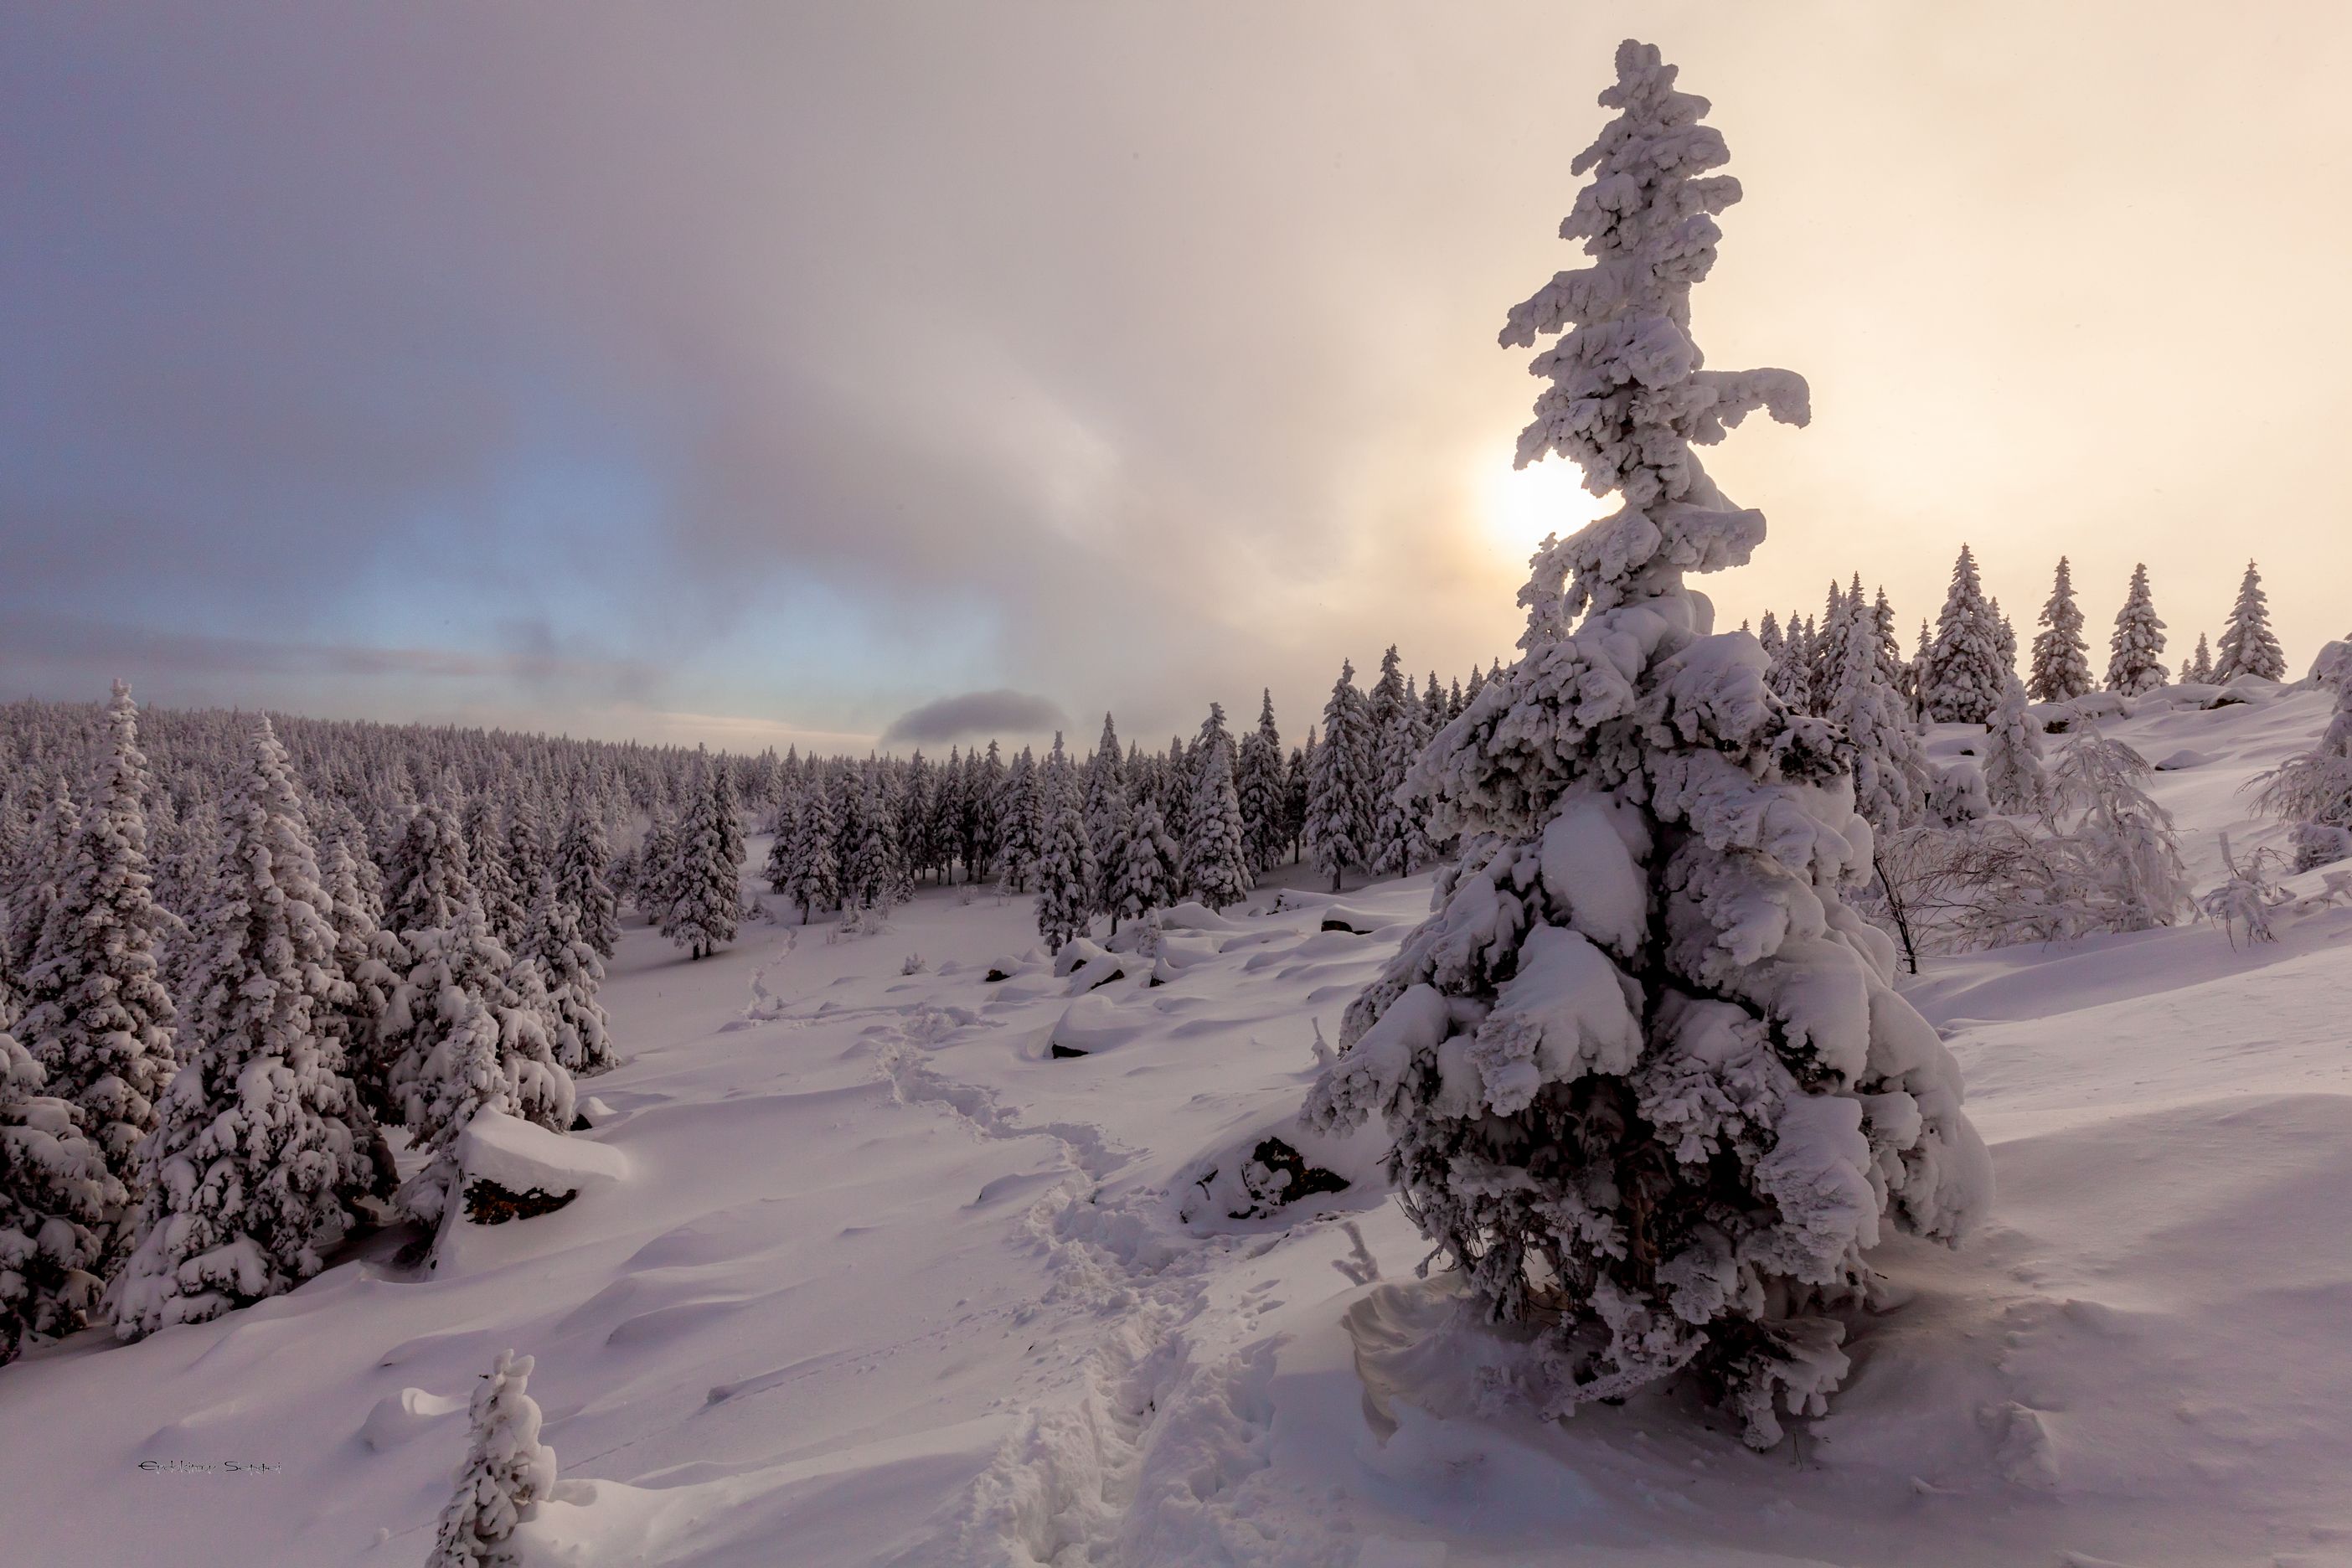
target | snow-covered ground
[{"x": 884, "y": 1279}]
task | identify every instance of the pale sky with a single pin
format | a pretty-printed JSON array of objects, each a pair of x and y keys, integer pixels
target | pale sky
[{"x": 750, "y": 373}]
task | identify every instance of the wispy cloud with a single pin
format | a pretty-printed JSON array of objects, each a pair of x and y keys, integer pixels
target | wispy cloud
[{"x": 976, "y": 715}]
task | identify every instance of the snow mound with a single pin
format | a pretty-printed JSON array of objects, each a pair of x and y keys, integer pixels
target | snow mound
[{"x": 397, "y": 1417}]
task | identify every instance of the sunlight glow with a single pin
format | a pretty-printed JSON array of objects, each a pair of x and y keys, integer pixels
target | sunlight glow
[{"x": 1521, "y": 505}]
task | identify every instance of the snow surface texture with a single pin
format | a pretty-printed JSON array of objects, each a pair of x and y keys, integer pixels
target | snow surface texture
[{"x": 884, "y": 1282}]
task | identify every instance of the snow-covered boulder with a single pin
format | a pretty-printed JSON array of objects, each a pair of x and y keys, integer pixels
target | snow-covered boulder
[
  {"x": 1089, "y": 1024},
  {"x": 1097, "y": 972},
  {"x": 1275, "y": 1165},
  {"x": 1076, "y": 953},
  {"x": 501, "y": 1155}
]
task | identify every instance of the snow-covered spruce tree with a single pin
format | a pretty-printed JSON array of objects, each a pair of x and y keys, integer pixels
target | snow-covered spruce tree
[
  {"x": 1826, "y": 651},
  {"x": 1216, "y": 858},
  {"x": 583, "y": 878},
  {"x": 493, "y": 880},
  {"x": 1146, "y": 870},
  {"x": 813, "y": 879},
  {"x": 1890, "y": 774},
  {"x": 47, "y": 860},
  {"x": 571, "y": 972},
  {"x": 2248, "y": 645},
  {"x": 371, "y": 961},
  {"x": 262, "y": 1147},
  {"x": 1339, "y": 790},
  {"x": 1646, "y": 1078},
  {"x": 913, "y": 806},
  {"x": 473, "y": 1037},
  {"x": 1105, "y": 809},
  {"x": 1297, "y": 783},
  {"x": 654, "y": 884},
  {"x": 1786, "y": 677},
  {"x": 1066, "y": 873},
  {"x": 527, "y": 849},
  {"x": 1962, "y": 682},
  {"x": 2133, "y": 664},
  {"x": 709, "y": 892},
  {"x": 1396, "y": 838},
  {"x": 93, "y": 1010},
  {"x": 429, "y": 877},
  {"x": 57, "y": 1199},
  {"x": 784, "y": 826},
  {"x": 1016, "y": 815},
  {"x": 1260, "y": 786},
  {"x": 2200, "y": 668},
  {"x": 872, "y": 880},
  {"x": 507, "y": 1474},
  {"x": 2015, "y": 780}
]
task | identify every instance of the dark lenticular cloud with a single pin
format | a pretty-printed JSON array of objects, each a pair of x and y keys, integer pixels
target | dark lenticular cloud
[{"x": 975, "y": 715}]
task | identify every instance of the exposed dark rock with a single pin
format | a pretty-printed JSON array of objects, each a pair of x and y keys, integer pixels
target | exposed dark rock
[{"x": 487, "y": 1202}]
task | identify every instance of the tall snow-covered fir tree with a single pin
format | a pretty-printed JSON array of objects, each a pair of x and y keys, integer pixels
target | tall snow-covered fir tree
[
  {"x": 1067, "y": 877},
  {"x": 2248, "y": 645},
  {"x": 93, "y": 1010},
  {"x": 1019, "y": 835},
  {"x": 57, "y": 1200},
  {"x": 1890, "y": 774},
  {"x": 583, "y": 862},
  {"x": 2061, "y": 660},
  {"x": 1105, "y": 811},
  {"x": 46, "y": 858},
  {"x": 1826, "y": 651},
  {"x": 484, "y": 824},
  {"x": 572, "y": 973},
  {"x": 709, "y": 894},
  {"x": 812, "y": 878},
  {"x": 371, "y": 960},
  {"x": 1217, "y": 857},
  {"x": 1260, "y": 786},
  {"x": 1646, "y": 1077},
  {"x": 507, "y": 1472},
  {"x": 1339, "y": 790},
  {"x": 262, "y": 1147},
  {"x": 2015, "y": 780},
  {"x": 877, "y": 877},
  {"x": 1396, "y": 842},
  {"x": 1787, "y": 672},
  {"x": 2200, "y": 668},
  {"x": 2134, "y": 650},
  {"x": 1965, "y": 673},
  {"x": 429, "y": 877},
  {"x": 475, "y": 1034},
  {"x": 1147, "y": 868}
]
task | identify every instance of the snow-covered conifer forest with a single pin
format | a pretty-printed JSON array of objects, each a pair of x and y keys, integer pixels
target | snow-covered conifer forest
[{"x": 1694, "y": 1093}]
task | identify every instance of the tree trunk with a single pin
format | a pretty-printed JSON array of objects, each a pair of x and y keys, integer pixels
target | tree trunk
[{"x": 1895, "y": 907}]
